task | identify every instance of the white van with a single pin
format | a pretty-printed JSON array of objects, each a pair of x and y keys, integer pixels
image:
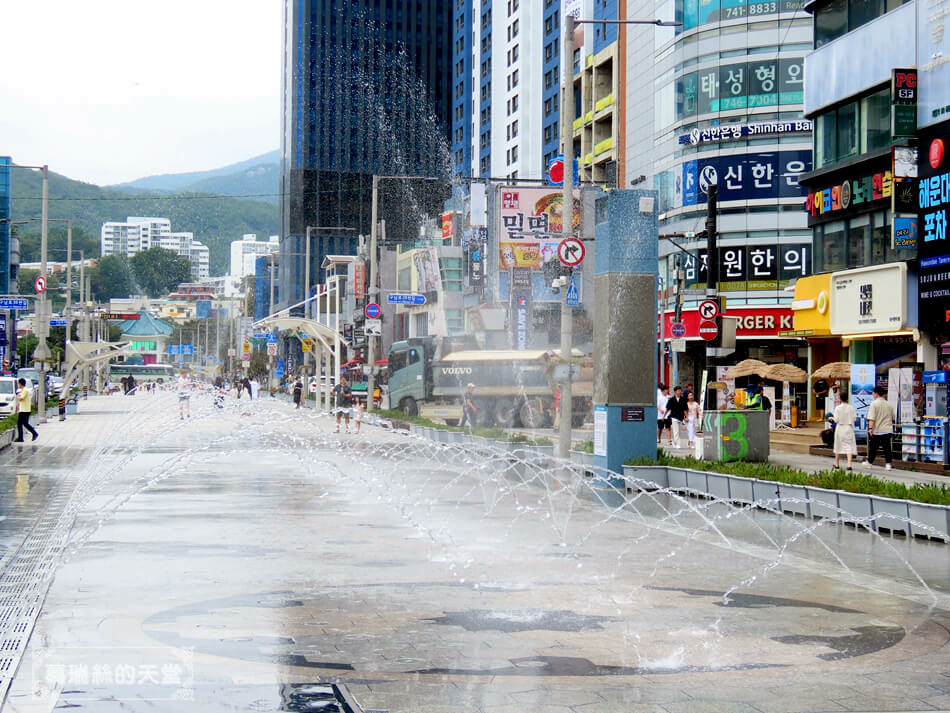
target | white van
[{"x": 7, "y": 395}]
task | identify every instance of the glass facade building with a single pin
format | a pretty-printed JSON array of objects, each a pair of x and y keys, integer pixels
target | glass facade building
[
  {"x": 5, "y": 200},
  {"x": 366, "y": 90}
]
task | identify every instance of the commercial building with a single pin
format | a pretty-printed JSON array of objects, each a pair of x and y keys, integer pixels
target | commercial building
[
  {"x": 5, "y": 266},
  {"x": 366, "y": 90},
  {"x": 244, "y": 253},
  {"x": 266, "y": 285},
  {"x": 137, "y": 234}
]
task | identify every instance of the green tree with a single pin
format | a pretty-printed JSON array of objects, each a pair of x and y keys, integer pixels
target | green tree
[
  {"x": 157, "y": 271},
  {"x": 111, "y": 277}
]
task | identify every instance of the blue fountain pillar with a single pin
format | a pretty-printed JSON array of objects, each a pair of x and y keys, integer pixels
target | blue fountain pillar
[{"x": 625, "y": 284}]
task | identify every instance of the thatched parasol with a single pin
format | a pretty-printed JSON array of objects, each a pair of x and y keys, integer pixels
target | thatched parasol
[
  {"x": 748, "y": 367},
  {"x": 786, "y": 372},
  {"x": 834, "y": 370}
]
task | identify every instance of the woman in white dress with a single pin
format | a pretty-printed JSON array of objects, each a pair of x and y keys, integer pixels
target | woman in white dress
[{"x": 845, "y": 443}]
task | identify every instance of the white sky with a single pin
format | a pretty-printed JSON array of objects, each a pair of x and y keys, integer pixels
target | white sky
[{"x": 107, "y": 91}]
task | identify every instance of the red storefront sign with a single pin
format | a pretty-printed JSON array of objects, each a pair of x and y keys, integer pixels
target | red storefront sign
[
  {"x": 753, "y": 322},
  {"x": 358, "y": 280}
]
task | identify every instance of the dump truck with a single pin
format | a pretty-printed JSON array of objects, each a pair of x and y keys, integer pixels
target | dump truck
[{"x": 512, "y": 387}]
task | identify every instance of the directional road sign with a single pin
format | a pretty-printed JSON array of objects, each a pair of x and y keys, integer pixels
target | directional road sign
[
  {"x": 678, "y": 330},
  {"x": 271, "y": 349},
  {"x": 57, "y": 323},
  {"x": 306, "y": 344},
  {"x": 573, "y": 296},
  {"x": 14, "y": 303},
  {"x": 372, "y": 311},
  {"x": 708, "y": 309},
  {"x": 708, "y": 330},
  {"x": 405, "y": 299},
  {"x": 40, "y": 284},
  {"x": 570, "y": 251}
]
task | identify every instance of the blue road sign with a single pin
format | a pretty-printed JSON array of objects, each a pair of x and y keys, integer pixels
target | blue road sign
[
  {"x": 406, "y": 299},
  {"x": 181, "y": 349},
  {"x": 372, "y": 311},
  {"x": 57, "y": 323},
  {"x": 172, "y": 348},
  {"x": 269, "y": 336},
  {"x": 14, "y": 303},
  {"x": 279, "y": 371},
  {"x": 573, "y": 297},
  {"x": 678, "y": 330}
]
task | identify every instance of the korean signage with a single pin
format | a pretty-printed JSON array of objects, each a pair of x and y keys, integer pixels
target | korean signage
[
  {"x": 849, "y": 196},
  {"x": 742, "y": 177},
  {"x": 118, "y": 316},
  {"x": 904, "y": 103},
  {"x": 933, "y": 64},
  {"x": 530, "y": 226},
  {"x": 869, "y": 299},
  {"x": 359, "y": 279},
  {"x": 448, "y": 226},
  {"x": 746, "y": 85},
  {"x": 521, "y": 311},
  {"x": 735, "y": 132},
  {"x": 143, "y": 346},
  {"x": 428, "y": 277},
  {"x": 477, "y": 263},
  {"x": 750, "y": 322},
  {"x": 933, "y": 247},
  {"x": 905, "y": 233},
  {"x": 750, "y": 267},
  {"x": 699, "y": 12}
]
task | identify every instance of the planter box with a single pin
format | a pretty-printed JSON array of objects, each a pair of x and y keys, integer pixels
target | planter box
[
  {"x": 740, "y": 489},
  {"x": 823, "y": 503},
  {"x": 858, "y": 506},
  {"x": 638, "y": 476},
  {"x": 696, "y": 480},
  {"x": 935, "y": 516},
  {"x": 677, "y": 478},
  {"x": 894, "y": 514},
  {"x": 717, "y": 485},
  {"x": 441, "y": 435},
  {"x": 765, "y": 493},
  {"x": 6, "y": 438},
  {"x": 794, "y": 499}
]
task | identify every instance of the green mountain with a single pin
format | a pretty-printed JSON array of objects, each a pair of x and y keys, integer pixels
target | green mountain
[
  {"x": 187, "y": 182},
  {"x": 214, "y": 219}
]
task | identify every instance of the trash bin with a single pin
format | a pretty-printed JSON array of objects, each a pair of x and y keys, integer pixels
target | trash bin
[{"x": 72, "y": 406}]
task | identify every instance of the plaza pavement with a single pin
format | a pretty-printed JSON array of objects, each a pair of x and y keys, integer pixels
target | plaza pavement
[{"x": 235, "y": 560}]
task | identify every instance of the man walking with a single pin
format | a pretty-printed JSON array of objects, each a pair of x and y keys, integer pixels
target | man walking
[
  {"x": 880, "y": 427},
  {"x": 184, "y": 395},
  {"x": 24, "y": 406},
  {"x": 469, "y": 409},
  {"x": 662, "y": 413},
  {"x": 344, "y": 400},
  {"x": 298, "y": 391},
  {"x": 677, "y": 406}
]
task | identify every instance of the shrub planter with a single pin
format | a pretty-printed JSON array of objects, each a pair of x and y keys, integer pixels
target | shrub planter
[
  {"x": 935, "y": 516},
  {"x": 677, "y": 478},
  {"x": 640, "y": 476},
  {"x": 794, "y": 499},
  {"x": 696, "y": 480},
  {"x": 854, "y": 504},
  {"x": 740, "y": 490},
  {"x": 824, "y": 503},
  {"x": 765, "y": 493},
  {"x": 894, "y": 514},
  {"x": 717, "y": 485},
  {"x": 6, "y": 438}
]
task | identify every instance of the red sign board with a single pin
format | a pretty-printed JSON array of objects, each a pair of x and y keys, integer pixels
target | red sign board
[
  {"x": 752, "y": 322},
  {"x": 708, "y": 330},
  {"x": 448, "y": 225}
]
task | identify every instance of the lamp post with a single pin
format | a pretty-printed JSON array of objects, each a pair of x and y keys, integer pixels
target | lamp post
[{"x": 15, "y": 290}]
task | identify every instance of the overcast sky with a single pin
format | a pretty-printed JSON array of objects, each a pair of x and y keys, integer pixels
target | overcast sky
[{"x": 107, "y": 91}]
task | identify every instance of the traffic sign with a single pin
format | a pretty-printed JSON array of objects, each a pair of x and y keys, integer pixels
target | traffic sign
[
  {"x": 271, "y": 349},
  {"x": 372, "y": 311},
  {"x": 57, "y": 323},
  {"x": 708, "y": 309},
  {"x": 232, "y": 352},
  {"x": 279, "y": 370},
  {"x": 570, "y": 251},
  {"x": 708, "y": 330},
  {"x": 399, "y": 298},
  {"x": 14, "y": 303},
  {"x": 373, "y": 327},
  {"x": 245, "y": 357},
  {"x": 678, "y": 330},
  {"x": 573, "y": 296},
  {"x": 306, "y": 344},
  {"x": 40, "y": 284}
]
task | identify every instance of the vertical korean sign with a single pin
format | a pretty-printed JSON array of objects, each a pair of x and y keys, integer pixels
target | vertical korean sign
[
  {"x": 521, "y": 309},
  {"x": 933, "y": 197}
]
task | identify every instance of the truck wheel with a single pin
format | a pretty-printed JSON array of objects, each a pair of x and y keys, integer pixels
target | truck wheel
[
  {"x": 409, "y": 407},
  {"x": 504, "y": 413},
  {"x": 532, "y": 414}
]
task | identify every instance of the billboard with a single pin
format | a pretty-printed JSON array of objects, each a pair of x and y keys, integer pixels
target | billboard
[
  {"x": 428, "y": 277},
  {"x": 529, "y": 225},
  {"x": 933, "y": 242},
  {"x": 743, "y": 177}
]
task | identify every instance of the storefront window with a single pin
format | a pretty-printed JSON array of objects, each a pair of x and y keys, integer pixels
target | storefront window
[
  {"x": 825, "y": 139},
  {"x": 830, "y": 248},
  {"x": 881, "y": 249},
  {"x": 862, "y": 11},
  {"x": 847, "y": 130},
  {"x": 859, "y": 240},
  {"x": 831, "y": 21},
  {"x": 876, "y": 121}
]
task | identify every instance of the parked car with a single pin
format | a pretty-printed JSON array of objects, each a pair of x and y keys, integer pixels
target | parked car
[
  {"x": 7, "y": 395},
  {"x": 56, "y": 384}
]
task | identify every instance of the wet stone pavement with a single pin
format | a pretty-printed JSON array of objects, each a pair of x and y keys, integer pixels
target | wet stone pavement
[{"x": 247, "y": 558}]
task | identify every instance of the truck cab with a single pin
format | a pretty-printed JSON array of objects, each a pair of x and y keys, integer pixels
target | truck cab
[{"x": 410, "y": 373}]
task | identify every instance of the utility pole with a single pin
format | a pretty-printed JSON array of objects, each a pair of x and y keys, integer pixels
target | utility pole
[
  {"x": 67, "y": 311},
  {"x": 373, "y": 292},
  {"x": 567, "y": 229},
  {"x": 712, "y": 289},
  {"x": 42, "y": 354}
]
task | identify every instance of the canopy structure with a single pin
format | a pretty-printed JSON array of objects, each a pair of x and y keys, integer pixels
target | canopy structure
[
  {"x": 786, "y": 372},
  {"x": 748, "y": 367},
  {"x": 328, "y": 339},
  {"x": 79, "y": 355},
  {"x": 834, "y": 370}
]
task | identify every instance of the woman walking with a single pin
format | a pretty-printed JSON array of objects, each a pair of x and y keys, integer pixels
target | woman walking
[
  {"x": 694, "y": 413},
  {"x": 845, "y": 444}
]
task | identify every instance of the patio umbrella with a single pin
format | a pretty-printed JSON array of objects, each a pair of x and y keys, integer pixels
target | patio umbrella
[
  {"x": 786, "y": 372},
  {"x": 834, "y": 370},
  {"x": 748, "y": 367}
]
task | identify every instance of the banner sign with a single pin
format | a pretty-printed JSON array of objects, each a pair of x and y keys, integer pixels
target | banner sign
[
  {"x": 745, "y": 85},
  {"x": 903, "y": 103},
  {"x": 751, "y": 322},
  {"x": 743, "y": 177},
  {"x": 735, "y": 132},
  {"x": 850, "y": 194},
  {"x": 933, "y": 246},
  {"x": 905, "y": 233},
  {"x": 530, "y": 225},
  {"x": 521, "y": 310},
  {"x": 750, "y": 267}
]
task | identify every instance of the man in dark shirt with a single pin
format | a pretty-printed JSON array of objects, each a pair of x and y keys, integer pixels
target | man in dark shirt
[
  {"x": 344, "y": 402},
  {"x": 677, "y": 406}
]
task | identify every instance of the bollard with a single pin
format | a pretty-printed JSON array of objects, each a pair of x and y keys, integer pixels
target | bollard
[
  {"x": 85, "y": 392},
  {"x": 62, "y": 409}
]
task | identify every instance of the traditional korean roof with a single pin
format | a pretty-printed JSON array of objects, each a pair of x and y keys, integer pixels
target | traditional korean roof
[{"x": 145, "y": 326}]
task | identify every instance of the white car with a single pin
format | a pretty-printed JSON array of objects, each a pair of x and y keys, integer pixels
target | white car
[{"x": 7, "y": 395}]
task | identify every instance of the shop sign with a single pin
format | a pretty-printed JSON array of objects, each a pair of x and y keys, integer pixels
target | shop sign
[
  {"x": 700, "y": 12},
  {"x": 869, "y": 299},
  {"x": 750, "y": 267},
  {"x": 359, "y": 279},
  {"x": 448, "y": 226},
  {"x": 750, "y": 322},
  {"x": 743, "y": 85},
  {"x": 903, "y": 103},
  {"x": 905, "y": 233},
  {"x": 529, "y": 226},
  {"x": 850, "y": 194},
  {"x": 736, "y": 132},
  {"x": 811, "y": 305},
  {"x": 742, "y": 177},
  {"x": 933, "y": 247},
  {"x": 522, "y": 317}
]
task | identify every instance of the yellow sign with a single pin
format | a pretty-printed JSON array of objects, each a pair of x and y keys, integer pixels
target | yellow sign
[
  {"x": 247, "y": 347},
  {"x": 811, "y": 311},
  {"x": 306, "y": 345}
]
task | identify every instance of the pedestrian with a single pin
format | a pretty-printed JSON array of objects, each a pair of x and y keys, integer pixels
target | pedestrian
[
  {"x": 24, "y": 406},
  {"x": 662, "y": 413},
  {"x": 677, "y": 406},
  {"x": 694, "y": 413},
  {"x": 184, "y": 395},
  {"x": 239, "y": 385},
  {"x": 880, "y": 427},
  {"x": 845, "y": 443},
  {"x": 131, "y": 386},
  {"x": 344, "y": 400},
  {"x": 125, "y": 385},
  {"x": 254, "y": 386},
  {"x": 469, "y": 409},
  {"x": 358, "y": 414},
  {"x": 298, "y": 391},
  {"x": 821, "y": 390}
]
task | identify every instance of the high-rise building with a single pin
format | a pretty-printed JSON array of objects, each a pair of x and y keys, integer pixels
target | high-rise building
[
  {"x": 138, "y": 234},
  {"x": 366, "y": 90},
  {"x": 506, "y": 87},
  {"x": 5, "y": 266},
  {"x": 244, "y": 253}
]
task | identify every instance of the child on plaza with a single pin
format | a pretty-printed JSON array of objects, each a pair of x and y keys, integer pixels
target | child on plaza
[{"x": 357, "y": 414}]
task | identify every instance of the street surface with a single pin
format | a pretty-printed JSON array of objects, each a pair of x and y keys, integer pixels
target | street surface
[{"x": 237, "y": 559}]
